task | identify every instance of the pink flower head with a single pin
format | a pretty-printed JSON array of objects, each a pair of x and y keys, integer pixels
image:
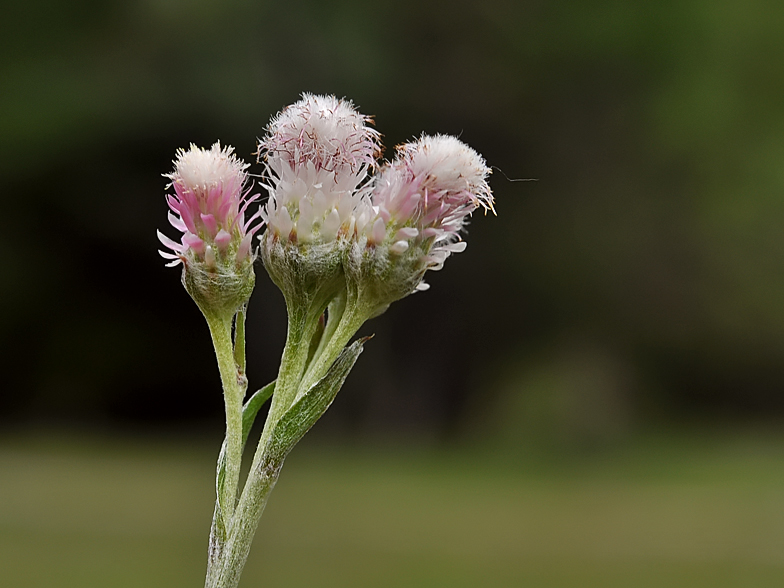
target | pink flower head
[
  {"x": 208, "y": 206},
  {"x": 318, "y": 152},
  {"x": 424, "y": 198}
]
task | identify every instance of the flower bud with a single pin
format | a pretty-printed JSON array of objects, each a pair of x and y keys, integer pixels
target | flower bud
[
  {"x": 208, "y": 206},
  {"x": 419, "y": 204}
]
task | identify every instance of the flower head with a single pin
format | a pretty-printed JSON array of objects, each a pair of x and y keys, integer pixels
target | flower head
[
  {"x": 208, "y": 206},
  {"x": 419, "y": 204},
  {"x": 318, "y": 152}
]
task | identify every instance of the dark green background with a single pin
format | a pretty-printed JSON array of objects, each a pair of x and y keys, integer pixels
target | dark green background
[{"x": 637, "y": 281}]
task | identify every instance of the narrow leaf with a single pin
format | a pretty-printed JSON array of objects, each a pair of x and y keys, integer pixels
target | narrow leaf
[
  {"x": 304, "y": 413},
  {"x": 252, "y": 406}
]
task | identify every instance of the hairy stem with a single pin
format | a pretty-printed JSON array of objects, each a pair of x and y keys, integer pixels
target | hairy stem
[
  {"x": 340, "y": 329},
  {"x": 239, "y": 339},
  {"x": 233, "y": 390},
  {"x": 224, "y": 571},
  {"x": 302, "y": 324},
  {"x": 334, "y": 314}
]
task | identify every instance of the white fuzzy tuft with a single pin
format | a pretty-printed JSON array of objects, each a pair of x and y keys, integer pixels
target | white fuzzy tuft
[
  {"x": 324, "y": 130},
  {"x": 200, "y": 169},
  {"x": 449, "y": 165}
]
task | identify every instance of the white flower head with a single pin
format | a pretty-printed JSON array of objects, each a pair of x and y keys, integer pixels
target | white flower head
[
  {"x": 450, "y": 168},
  {"x": 201, "y": 169},
  {"x": 318, "y": 152},
  {"x": 324, "y": 131}
]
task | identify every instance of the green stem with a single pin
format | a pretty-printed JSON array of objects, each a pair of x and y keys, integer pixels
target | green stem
[
  {"x": 229, "y": 551},
  {"x": 352, "y": 316},
  {"x": 239, "y": 339},
  {"x": 301, "y": 327},
  {"x": 233, "y": 391},
  {"x": 334, "y": 314},
  {"x": 224, "y": 571},
  {"x": 228, "y": 558}
]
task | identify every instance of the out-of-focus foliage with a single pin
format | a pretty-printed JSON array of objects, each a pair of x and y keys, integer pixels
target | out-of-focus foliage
[{"x": 640, "y": 277}]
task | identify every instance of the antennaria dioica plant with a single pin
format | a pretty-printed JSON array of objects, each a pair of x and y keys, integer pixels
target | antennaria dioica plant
[{"x": 344, "y": 236}]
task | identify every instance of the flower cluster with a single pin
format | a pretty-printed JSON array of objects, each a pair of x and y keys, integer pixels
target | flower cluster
[
  {"x": 390, "y": 228},
  {"x": 325, "y": 213},
  {"x": 346, "y": 235}
]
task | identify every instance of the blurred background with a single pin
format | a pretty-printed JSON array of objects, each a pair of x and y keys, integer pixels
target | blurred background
[{"x": 591, "y": 394}]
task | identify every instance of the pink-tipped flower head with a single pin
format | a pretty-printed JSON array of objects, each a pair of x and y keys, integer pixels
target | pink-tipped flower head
[
  {"x": 318, "y": 152},
  {"x": 208, "y": 206},
  {"x": 420, "y": 202}
]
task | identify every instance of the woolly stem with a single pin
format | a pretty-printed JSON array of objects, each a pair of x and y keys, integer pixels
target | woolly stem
[
  {"x": 292, "y": 365},
  {"x": 353, "y": 315},
  {"x": 233, "y": 391},
  {"x": 225, "y": 570}
]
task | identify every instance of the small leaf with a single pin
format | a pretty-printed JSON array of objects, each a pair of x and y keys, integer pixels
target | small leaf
[
  {"x": 304, "y": 413},
  {"x": 251, "y": 408}
]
